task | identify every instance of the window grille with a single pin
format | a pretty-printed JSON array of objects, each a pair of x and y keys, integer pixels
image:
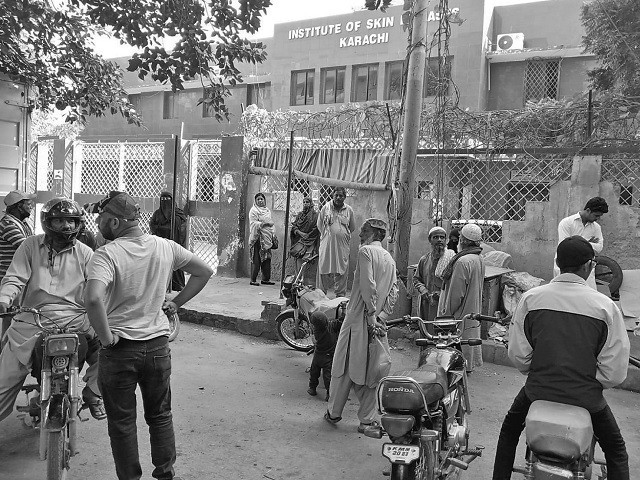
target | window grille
[
  {"x": 302, "y": 87},
  {"x": 364, "y": 85},
  {"x": 332, "y": 85},
  {"x": 541, "y": 80},
  {"x": 626, "y": 195},
  {"x": 393, "y": 80}
]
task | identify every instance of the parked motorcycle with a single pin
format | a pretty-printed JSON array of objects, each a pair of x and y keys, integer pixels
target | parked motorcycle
[
  {"x": 424, "y": 411},
  {"x": 55, "y": 411},
  {"x": 293, "y": 325}
]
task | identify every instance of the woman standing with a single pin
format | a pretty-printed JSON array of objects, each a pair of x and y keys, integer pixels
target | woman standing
[
  {"x": 305, "y": 238},
  {"x": 261, "y": 240}
]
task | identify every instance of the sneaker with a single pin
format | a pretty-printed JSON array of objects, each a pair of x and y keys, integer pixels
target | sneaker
[
  {"x": 312, "y": 392},
  {"x": 255, "y": 284}
]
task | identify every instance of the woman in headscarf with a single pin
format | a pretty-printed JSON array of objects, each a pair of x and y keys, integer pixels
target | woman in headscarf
[
  {"x": 305, "y": 237},
  {"x": 261, "y": 234}
]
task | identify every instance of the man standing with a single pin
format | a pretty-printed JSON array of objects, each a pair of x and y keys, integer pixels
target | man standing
[
  {"x": 336, "y": 223},
  {"x": 374, "y": 293},
  {"x": 125, "y": 300},
  {"x": 160, "y": 225},
  {"x": 462, "y": 292},
  {"x": 584, "y": 224},
  {"x": 304, "y": 239},
  {"x": 13, "y": 231},
  {"x": 428, "y": 277},
  {"x": 571, "y": 342}
]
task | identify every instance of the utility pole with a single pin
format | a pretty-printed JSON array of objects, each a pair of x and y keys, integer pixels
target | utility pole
[{"x": 411, "y": 131}]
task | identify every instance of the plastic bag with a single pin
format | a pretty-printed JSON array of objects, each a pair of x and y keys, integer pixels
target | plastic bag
[
  {"x": 378, "y": 361},
  {"x": 510, "y": 298}
]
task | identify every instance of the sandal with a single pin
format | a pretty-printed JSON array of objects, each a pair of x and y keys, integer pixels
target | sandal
[
  {"x": 330, "y": 419},
  {"x": 363, "y": 426},
  {"x": 94, "y": 403}
]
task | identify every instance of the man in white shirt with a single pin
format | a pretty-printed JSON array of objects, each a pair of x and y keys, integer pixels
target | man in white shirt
[{"x": 584, "y": 224}]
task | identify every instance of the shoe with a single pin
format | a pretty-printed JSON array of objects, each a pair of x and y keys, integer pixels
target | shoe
[
  {"x": 255, "y": 284},
  {"x": 267, "y": 282},
  {"x": 312, "y": 392},
  {"x": 94, "y": 403},
  {"x": 330, "y": 419},
  {"x": 363, "y": 426}
]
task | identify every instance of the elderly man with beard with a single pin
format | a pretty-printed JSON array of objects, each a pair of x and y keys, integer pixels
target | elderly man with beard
[
  {"x": 462, "y": 292},
  {"x": 304, "y": 239},
  {"x": 428, "y": 277},
  {"x": 374, "y": 293}
]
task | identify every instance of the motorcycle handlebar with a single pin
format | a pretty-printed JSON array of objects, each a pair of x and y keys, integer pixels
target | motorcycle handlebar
[
  {"x": 397, "y": 321},
  {"x": 425, "y": 342},
  {"x": 488, "y": 318}
]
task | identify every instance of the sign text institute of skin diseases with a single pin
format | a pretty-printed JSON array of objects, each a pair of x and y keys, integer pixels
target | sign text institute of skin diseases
[{"x": 358, "y": 32}]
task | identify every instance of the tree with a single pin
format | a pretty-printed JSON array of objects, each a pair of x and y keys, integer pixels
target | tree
[
  {"x": 48, "y": 123},
  {"x": 613, "y": 34},
  {"x": 48, "y": 44}
]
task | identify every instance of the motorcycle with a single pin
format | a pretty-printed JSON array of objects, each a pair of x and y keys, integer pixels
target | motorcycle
[
  {"x": 424, "y": 411},
  {"x": 293, "y": 325},
  {"x": 57, "y": 361}
]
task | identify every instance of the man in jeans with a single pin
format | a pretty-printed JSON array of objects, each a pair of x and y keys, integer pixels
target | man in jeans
[
  {"x": 571, "y": 342},
  {"x": 125, "y": 301}
]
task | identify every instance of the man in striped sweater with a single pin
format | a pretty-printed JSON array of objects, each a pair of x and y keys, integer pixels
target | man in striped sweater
[{"x": 13, "y": 231}]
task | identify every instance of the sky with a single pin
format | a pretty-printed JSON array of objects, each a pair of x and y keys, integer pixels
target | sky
[{"x": 288, "y": 11}]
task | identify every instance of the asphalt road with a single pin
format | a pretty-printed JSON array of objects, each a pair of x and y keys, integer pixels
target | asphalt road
[{"x": 241, "y": 411}]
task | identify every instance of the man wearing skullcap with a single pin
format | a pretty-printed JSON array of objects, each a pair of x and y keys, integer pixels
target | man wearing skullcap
[
  {"x": 428, "y": 277},
  {"x": 462, "y": 292},
  {"x": 571, "y": 342},
  {"x": 374, "y": 293},
  {"x": 585, "y": 224}
]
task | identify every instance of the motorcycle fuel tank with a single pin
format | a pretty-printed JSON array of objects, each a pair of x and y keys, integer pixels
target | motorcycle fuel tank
[{"x": 447, "y": 358}]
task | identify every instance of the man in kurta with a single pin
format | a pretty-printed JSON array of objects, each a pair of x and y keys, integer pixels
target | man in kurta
[
  {"x": 427, "y": 280},
  {"x": 373, "y": 296},
  {"x": 462, "y": 291},
  {"x": 336, "y": 223},
  {"x": 584, "y": 223}
]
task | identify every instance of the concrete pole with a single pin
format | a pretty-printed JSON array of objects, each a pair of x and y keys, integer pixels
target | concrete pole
[{"x": 411, "y": 130}]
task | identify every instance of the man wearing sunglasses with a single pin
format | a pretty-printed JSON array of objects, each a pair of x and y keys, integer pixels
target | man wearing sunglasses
[{"x": 125, "y": 301}]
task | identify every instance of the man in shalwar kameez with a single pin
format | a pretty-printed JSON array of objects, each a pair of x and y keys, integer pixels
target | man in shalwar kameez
[
  {"x": 462, "y": 291},
  {"x": 373, "y": 295},
  {"x": 336, "y": 223}
]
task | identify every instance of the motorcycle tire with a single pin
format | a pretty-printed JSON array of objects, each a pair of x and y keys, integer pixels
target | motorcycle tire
[
  {"x": 608, "y": 272},
  {"x": 285, "y": 327},
  {"x": 174, "y": 326},
  {"x": 57, "y": 455},
  {"x": 421, "y": 469}
]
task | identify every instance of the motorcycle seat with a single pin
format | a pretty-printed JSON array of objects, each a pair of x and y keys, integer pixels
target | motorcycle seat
[
  {"x": 558, "y": 431},
  {"x": 432, "y": 380}
]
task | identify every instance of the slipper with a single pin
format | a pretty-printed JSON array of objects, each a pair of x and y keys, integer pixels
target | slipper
[
  {"x": 94, "y": 403},
  {"x": 363, "y": 426},
  {"x": 330, "y": 419},
  {"x": 255, "y": 284}
]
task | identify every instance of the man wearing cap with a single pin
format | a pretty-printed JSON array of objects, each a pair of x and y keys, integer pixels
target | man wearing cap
[
  {"x": 125, "y": 300},
  {"x": 160, "y": 225},
  {"x": 585, "y": 224},
  {"x": 571, "y": 342},
  {"x": 427, "y": 280},
  {"x": 13, "y": 231},
  {"x": 374, "y": 293},
  {"x": 463, "y": 279}
]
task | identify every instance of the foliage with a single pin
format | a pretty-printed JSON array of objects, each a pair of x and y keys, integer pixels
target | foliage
[
  {"x": 613, "y": 35},
  {"x": 48, "y": 44},
  {"x": 50, "y": 123}
]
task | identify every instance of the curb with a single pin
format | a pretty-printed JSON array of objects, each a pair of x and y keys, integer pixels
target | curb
[{"x": 266, "y": 328}]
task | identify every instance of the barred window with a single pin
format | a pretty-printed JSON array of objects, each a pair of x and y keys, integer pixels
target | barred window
[
  {"x": 626, "y": 195},
  {"x": 393, "y": 80},
  {"x": 519, "y": 193},
  {"x": 364, "y": 84},
  {"x": 541, "y": 80},
  {"x": 302, "y": 87},
  {"x": 332, "y": 85}
]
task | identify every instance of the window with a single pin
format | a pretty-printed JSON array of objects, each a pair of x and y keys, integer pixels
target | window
[
  {"x": 437, "y": 76},
  {"x": 393, "y": 80},
  {"x": 423, "y": 189},
  {"x": 541, "y": 80},
  {"x": 332, "y": 85},
  {"x": 136, "y": 101},
  {"x": 167, "y": 105},
  {"x": 302, "y": 87},
  {"x": 208, "y": 110},
  {"x": 519, "y": 193},
  {"x": 364, "y": 84},
  {"x": 626, "y": 195},
  {"x": 258, "y": 94}
]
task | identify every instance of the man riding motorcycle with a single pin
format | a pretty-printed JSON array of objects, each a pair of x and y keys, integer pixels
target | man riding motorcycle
[
  {"x": 571, "y": 342},
  {"x": 49, "y": 271}
]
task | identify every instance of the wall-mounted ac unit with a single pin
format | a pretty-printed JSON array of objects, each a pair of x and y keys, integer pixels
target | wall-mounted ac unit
[{"x": 510, "y": 41}]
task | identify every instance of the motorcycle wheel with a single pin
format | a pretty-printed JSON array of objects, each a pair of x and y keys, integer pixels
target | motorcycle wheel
[
  {"x": 57, "y": 455},
  {"x": 426, "y": 464},
  {"x": 609, "y": 273},
  {"x": 286, "y": 331},
  {"x": 174, "y": 326}
]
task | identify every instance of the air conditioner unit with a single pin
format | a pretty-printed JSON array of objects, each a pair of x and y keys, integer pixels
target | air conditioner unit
[{"x": 510, "y": 41}]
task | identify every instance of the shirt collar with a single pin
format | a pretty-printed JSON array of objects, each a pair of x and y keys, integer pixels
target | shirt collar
[{"x": 569, "y": 278}]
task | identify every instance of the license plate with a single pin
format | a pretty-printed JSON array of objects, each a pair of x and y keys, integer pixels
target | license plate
[{"x": 404, "y": 454}]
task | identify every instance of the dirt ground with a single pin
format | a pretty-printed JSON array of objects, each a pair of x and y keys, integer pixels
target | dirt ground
[{"x": 241, "y": 411}]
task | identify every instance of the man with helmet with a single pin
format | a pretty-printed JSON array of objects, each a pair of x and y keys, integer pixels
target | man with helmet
[
  {"x": 49, "y": 272},
  {"x": 461, "y": 294}
]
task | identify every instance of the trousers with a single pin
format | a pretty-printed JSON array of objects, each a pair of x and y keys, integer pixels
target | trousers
[
  {"x": 336, "y": 280},
  {"x": 339, "y": 394},
  {"x": 321, "y": 363}
]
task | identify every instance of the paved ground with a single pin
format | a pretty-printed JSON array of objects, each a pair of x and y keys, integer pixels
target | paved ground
[{"x": 242, "y": 412}]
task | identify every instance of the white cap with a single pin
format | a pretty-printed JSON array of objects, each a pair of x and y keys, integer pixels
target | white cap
[
  {"x": 471, "y": 232},
  {"x": 437, "y": 230}
]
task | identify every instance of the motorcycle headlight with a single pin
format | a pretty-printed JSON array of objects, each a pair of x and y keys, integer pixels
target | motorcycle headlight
[{"x": 61, "y": 345}]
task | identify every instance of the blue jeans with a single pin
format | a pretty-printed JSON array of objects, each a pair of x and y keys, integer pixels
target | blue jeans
[{"x": 121, "y": 368}]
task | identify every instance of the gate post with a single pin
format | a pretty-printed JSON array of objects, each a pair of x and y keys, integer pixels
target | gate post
[
  {"x": 59, "y": 154},
  {"x": 234, "y": 173}
]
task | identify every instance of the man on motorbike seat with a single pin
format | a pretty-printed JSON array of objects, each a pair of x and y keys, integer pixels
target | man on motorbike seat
[
  {"x": 571, "y": 342},
  {"x": 49, "y": 272}
]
